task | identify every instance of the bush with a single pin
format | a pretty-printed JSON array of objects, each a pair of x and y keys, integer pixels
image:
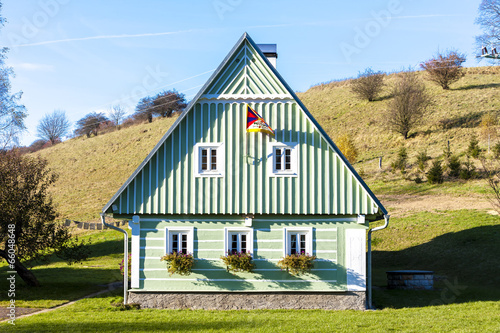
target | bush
[
  {"x": 444, "y": 69},
  {"x": 496, "y": 150},
  {"x": 238, "y": 262},
  {"x": 401, "y": 161},
  {"x": 435, "y": 175},
  {"x": 75, "y": 252},
  {"x": 297, "y": 264},
  {"x": 473, "y": 150},
  {"x": 422, "y": 159},
  {"x": 179, "y": 263},
  {"x": 368, "y": 85},
  {"x": 122, "y": 266},
  {"x": 347, "y": 147},
  {"x": 454, "y": 166},
  {"x": 469, "y": 170}
]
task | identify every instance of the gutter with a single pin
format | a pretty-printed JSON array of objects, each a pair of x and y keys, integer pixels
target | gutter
[
  {"x": 125, "y": 256},
  {"x": 369, "y": 304}
]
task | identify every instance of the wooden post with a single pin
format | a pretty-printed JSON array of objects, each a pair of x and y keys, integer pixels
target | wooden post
[{"x": 380, "y": 162}]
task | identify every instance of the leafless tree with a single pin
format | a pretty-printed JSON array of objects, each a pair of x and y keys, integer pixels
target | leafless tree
[
  {"x": 410, "y": 102},
  {"x": 116, "y": 114},
  {"x": 368, "y": 85},
  {"x": 52, "y": 127},
  {"x": 489, "y": 21},
  {"x": 444, "y": 69},
  {"x": 89, "y": 124}
]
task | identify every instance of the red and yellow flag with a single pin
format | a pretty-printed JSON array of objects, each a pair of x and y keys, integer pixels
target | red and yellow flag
[{"x": 255, "y": 123}]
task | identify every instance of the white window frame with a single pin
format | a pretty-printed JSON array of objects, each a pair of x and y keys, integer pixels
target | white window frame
[
  {"x": 230, "y": 231},
  {"x": 219, "y": 147},
  {"x": 308, "y": 231},
  {"x": 271, "y": 159},
  {"x": 169, "y": 231}
]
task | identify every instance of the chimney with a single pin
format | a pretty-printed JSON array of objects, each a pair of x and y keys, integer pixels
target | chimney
[{"x": 270, "y": 51}]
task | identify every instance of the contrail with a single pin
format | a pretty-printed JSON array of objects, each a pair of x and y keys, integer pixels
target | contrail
[{"x": 103, "y": 37}]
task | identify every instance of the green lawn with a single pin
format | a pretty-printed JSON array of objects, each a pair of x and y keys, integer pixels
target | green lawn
[{"x": 97, "y": 315}]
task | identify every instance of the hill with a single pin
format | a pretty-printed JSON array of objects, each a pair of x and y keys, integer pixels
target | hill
[{"x": 92, "y": 169}]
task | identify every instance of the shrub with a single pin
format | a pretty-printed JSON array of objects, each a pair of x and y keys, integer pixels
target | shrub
[
  {"x": 435, "y": 175},
  {"x": 454, "y": 166},
  {"x": 347, "y": 147},
  {"x": 422, "y": 159},
  {"x": 75, "y": 252},
  {"x": 469, "y": 170},
  {"x": 368, "y": 85},
  {"x": 444, "y": 69},
  {"x": 473, "y": 150},
  {"x": 179, "y": 263},
  {"x": 401, "y": 161},
  {"x": 238, "y": 262},
  {"x": 297, "y": 264},
  {"x": 496, "y": 150},
  {"x": 122, "y": 266}
]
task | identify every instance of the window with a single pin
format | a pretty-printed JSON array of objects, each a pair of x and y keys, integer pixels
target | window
[
  {"x": 238, "y": 240},
  {"x": 298, "y": 241},
  {"x": 179, "y": 240},
  {"x": 282, "y": 159},
  {"x": 209, "y": 158}
]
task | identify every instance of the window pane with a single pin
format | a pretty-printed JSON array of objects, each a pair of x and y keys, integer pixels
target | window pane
[
  {"x": 204, "y": 159},
  {"x": 243, "y": 243},
  {"x": 234, "y": 244},
  {"x": 302, "y": 243},
  {"x": 213, "y": 159},
  {"x": 288, "y": 158},
  {"x": 184, "y": 244},
  {"x": 175, "y": 243},
  {"x": 277, "y": 165},
  {"x": 293, "y": 244}
]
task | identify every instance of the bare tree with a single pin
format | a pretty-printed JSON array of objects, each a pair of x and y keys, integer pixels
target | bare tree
[
  {"x": 409, "y": 104},
  {"x": 163, "y": 104},
  {"x": 489, "y": 21},
  {"x": 444, "y": 69},
  {"x": 368, "y": 85},
  {"x": 117, "y": 114},
  {"x": 52, "y": 127}
]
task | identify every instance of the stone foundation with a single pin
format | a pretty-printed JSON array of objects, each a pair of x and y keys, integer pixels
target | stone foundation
[{"x": 249, "y": 301}]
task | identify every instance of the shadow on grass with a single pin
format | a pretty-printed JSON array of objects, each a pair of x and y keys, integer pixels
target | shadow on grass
[
  {"x": 478, "y": 86},
  {"x": 465, "y": 264}
]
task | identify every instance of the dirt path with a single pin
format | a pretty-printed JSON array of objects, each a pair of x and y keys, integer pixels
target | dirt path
[{"x": 401, "y": 205}]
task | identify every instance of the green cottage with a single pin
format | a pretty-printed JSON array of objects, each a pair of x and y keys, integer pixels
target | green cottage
[{"x": 209, "y": 187}]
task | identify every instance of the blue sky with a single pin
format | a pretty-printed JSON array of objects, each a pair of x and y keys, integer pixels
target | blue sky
[{"x": 83, "y": 56}]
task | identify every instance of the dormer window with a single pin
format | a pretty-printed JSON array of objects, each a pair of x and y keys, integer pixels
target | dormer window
[
  {"x": 282, "y": 159},
  {"x": 210, "y": 160}
]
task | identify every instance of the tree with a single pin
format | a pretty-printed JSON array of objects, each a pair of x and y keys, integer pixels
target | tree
[
  {"x": 168, "y": 102},
  {"x": 368, "y": 85},
  {"x": 488, "y": 127},
  {"x": 116, "y": 114},
  {"x": 444, "y": 69},
  {"x": 163, "y": 104},
  {"x": 347, "y": 147},
  {"x": 435, "y": 175},
  {"x": 409, "y": 104},
  {"x": 53, "y": 126},
  {"x": 89, "y": 124},
  {"x": 12, "y": 114},
  {"x": 489, "y": 21},
  {"x": 27, "y": 216}
]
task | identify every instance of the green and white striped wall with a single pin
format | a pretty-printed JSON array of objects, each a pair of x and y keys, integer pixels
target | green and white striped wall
[{"x": 209, "y": 272}]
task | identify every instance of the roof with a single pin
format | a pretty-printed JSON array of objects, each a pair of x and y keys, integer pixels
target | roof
[{"x": 211, "y": 81}]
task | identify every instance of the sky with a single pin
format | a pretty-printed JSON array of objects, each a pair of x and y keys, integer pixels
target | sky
[{"x": 84, "y": 56}]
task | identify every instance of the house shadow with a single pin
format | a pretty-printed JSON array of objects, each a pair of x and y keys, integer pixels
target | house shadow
[{"x": 465, "y": 264}]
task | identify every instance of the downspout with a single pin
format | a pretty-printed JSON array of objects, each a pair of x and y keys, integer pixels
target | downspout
[
  {"x": 125, "y": 256},
  {"x": 369, "y": 305}
]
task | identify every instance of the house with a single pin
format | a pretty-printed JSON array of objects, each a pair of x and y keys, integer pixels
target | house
[{"x": 210, "y": 186}]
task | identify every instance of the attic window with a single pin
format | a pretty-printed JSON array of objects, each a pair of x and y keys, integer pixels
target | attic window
[
  {"x": 209, "y": 158},
  {"x": 282, "y": 159}
]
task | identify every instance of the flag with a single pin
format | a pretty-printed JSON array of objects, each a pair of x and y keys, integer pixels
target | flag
[{"x": 255, "y": 123}]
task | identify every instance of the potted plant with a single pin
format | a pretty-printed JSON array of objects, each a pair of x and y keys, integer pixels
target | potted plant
[
  {"x": 297, "y": 263},
  {"x": 238, "y": 261},
  {"x": 179, "y": 263}
]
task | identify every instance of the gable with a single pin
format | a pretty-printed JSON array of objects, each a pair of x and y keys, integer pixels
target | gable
[
  {"x": 165, "y": 183},
  {"x": 246, "y": 75}
]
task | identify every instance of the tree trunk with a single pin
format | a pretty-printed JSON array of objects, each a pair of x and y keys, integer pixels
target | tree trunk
[{"x": 23, "y": 272}]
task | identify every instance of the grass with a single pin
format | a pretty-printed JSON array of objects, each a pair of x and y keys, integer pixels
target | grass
[{"x": 98, "y": 315}]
